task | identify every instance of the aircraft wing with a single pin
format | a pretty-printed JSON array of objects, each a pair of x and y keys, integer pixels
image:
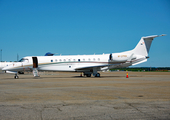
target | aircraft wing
[
  {"x": 97, "y": 67},
  {"x": 92, "y": 67}
]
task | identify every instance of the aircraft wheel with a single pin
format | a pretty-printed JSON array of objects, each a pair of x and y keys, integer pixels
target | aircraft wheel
[
  {"x": 97, "y": 75},
  {"x": 88, "y": 75},
  {"x": 16, "y": 77}
]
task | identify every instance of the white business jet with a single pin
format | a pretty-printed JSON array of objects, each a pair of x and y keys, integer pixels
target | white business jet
[{"x": 87, "y": 64}]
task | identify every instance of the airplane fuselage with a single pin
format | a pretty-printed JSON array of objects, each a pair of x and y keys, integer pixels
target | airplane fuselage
[
  {"x": 69, "y": 63},
  {"x": 88, "y": 64}
]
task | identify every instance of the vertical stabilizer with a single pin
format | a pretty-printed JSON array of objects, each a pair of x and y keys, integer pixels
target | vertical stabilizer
[{"x": 144, "y": 45}]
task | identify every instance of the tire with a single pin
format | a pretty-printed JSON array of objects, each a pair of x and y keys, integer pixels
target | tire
[
  {"x": 88, "y": 75},
  {"x": 16, "y": 77},
  {"x": 97, "y": 75}
]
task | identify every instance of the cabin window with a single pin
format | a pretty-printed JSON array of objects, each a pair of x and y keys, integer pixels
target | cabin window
[
  {"x": 60, "y": 60},
  {"x": 23, "y": 60},
  {"x": 94, "y": 59},
  {"x": 64, "y": 60},
  {"x": 56, "y": 60},
  {"x": 98, "y": 59},
  {"x": 83, "y": 59},
  {"x": 79, "y": 60},
  {"x": 51, "y": 60},
  {"x": 74, "y": 59},
  {"x": 89, "y": 59},
  {"x": 68, "y": 59}
]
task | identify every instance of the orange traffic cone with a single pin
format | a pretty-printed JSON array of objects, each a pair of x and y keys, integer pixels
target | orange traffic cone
[{"x": 127, "y": 76}]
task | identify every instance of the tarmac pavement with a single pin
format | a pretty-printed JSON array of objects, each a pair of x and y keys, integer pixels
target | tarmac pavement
[{"x": 63, "y": 96}]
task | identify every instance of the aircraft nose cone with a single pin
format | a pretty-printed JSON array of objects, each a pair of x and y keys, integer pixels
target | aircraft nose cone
[{"x": 12, "y": 67}]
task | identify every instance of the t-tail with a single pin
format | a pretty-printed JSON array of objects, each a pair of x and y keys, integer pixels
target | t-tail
[
  {"x": 143, "y": 47},
  {"x": 140, "y": 53},
  {"x": 141, "y": 50}
]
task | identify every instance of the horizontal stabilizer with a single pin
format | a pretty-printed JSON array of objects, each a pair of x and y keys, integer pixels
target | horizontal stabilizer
[{"x": 153, "y": 36}]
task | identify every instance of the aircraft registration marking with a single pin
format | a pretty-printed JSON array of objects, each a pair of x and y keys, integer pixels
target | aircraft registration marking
[{"x": 122, "y": 55}]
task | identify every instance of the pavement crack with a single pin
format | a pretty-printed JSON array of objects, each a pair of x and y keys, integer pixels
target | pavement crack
[
  {"x": 134, "y": 107},
  {"x": 41, "y": 116},
  {"x": 59, "y": 109},
  {"x": 141, "y": 111}
]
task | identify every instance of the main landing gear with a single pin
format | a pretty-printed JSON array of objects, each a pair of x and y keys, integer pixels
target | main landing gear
[
  {"x": 87, "y": 75},
  {"x": 94, "y": 74}
]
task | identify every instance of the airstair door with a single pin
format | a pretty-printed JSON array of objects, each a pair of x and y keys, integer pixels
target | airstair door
[
  {"x": 35, "y": 62},
  {"x": 35, "y": 66}
]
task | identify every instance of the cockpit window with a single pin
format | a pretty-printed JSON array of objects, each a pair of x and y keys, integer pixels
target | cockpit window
[{"x": 23, "y": 60}]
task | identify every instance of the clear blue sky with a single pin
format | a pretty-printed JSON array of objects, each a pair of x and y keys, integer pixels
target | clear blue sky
[{"x": 34, "y": 27}]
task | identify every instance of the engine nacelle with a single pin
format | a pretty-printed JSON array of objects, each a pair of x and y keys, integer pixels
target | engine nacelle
[{"x": 120, "y": 57}]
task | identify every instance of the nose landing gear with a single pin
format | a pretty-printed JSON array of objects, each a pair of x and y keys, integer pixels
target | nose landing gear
[{"x": 16, "y": 76}]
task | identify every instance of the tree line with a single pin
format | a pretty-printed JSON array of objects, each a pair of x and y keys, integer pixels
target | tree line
[{"x": 163, "y": 69}]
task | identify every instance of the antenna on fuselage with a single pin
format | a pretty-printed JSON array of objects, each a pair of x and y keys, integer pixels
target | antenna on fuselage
[{"x": 50, "y": 54}]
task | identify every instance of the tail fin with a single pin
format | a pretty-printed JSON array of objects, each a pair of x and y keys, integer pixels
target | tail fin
[{"x": 144, "y": 45}]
